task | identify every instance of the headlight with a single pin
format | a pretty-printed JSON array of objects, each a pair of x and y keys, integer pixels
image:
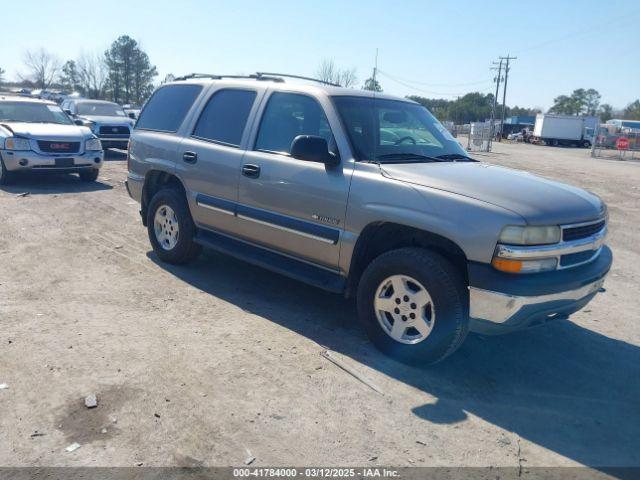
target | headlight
[
  {"x": 14, "y": 143},
  {"x": 518, "y": 235},
  {"x": 93, "y": 144}
]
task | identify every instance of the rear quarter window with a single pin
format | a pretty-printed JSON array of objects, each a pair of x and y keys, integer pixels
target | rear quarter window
[{"x": 167, "y": 107}]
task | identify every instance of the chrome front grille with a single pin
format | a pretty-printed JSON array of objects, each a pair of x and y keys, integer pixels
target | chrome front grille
[{"x": 580, "y": 231}]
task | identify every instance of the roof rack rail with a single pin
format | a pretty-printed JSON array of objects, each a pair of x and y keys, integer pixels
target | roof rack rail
[
  {"x": 265, "y": 76},
  {"x": 299, "y": 77},
  {"x": 197, "y": 75},
  {"x": 220, "y": 77}
]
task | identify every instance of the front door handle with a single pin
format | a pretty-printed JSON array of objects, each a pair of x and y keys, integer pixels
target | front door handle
[
  {"x": 250, "y": 170},
  {"x": 190, "y": 157}
]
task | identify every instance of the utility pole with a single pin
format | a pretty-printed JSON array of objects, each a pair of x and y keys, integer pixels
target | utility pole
[
  {"x": 504, "y": 92},
  {"x": 495, "y": 100}
]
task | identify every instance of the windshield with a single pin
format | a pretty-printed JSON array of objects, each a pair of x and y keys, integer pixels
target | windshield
[
  {"x": 381, "y": 129},
  {"x": 100, "y": 109},
  {"x": 32, "y": 113}
]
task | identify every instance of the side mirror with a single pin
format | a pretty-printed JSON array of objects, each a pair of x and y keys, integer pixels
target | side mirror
[
  {"x": 79, "y": 122},
  {"x": 313, "y": 149},
  {"x": 132, "y": 115},
  {"x": 68, "y": 112}
]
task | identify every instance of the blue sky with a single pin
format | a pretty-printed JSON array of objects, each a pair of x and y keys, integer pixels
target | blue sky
[{"x": 430, "y": 48}]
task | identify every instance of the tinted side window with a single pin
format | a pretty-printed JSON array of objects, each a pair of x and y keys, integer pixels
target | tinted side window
[
  {"x": 288, "y": 115},
  {"x": 225, "y": 116},
  {"x": 167, "y": 107}
]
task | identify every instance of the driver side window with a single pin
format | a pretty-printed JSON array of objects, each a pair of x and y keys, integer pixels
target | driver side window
[{"x": 288, "y": 115}]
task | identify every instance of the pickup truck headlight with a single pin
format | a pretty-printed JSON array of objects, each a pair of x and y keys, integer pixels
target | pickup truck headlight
[
  {"x": 14, "y": 143},
  {"x": 530, "y": 235},
  {"x": 93, "y": 144}
]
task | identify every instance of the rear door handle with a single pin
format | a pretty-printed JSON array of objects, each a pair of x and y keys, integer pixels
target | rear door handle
[
  {"x": 190, "y": 157},
  {"x": 250, "y": 170}
]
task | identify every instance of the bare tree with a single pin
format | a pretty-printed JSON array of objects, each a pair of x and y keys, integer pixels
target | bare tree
[
  {"x": 328, "y": 72},
  {"x": 43, "y": 67},
  {"x": 92, "y": 71},
  {"x": 347, "y": 78}
]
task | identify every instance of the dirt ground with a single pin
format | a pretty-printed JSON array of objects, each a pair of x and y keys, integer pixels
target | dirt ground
[{"x": 199, "y": 365}]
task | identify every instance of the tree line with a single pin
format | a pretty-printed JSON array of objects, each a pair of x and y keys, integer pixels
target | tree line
[
  {"x": 587, "y": 102},
  {"x": 472, "y": 107},
  {"x": 123, "y": 73}
]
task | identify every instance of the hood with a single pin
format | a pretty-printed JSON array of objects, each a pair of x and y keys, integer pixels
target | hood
[
  {"x": 538, "y": 200},
  {"x": 107, "y": 120},
  {"x": 47, "y": 131}
]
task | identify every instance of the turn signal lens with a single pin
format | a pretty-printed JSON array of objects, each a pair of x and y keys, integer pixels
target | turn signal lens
[
  {"x": 506, "y": 265},
  {"x": 524, "y": 266}
]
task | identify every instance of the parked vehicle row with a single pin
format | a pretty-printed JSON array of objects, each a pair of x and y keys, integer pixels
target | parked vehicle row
[
  {"x": 369, "y": 196},
  {"x": 36, "y": 136}
]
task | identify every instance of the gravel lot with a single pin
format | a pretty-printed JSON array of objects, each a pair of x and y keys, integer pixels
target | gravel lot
[{"x": 196, "y": 365}]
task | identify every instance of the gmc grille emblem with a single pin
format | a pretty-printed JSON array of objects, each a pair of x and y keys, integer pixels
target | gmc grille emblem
[
  {"x": 59, "y": 146},
  {"x": 114, "y": 130}
]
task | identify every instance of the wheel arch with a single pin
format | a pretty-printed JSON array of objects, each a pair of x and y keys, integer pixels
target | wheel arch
[
  {"x": 380, "y": 237},
  {"x": 154, "y": 181}
]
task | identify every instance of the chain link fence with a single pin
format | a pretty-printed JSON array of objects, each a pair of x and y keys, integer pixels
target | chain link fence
[
  {"x": 479, "y": 139},
  {"x": 617, "y": 145}
]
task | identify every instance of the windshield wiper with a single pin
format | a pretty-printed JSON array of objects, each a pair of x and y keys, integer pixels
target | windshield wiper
[
  {"x": 406, "y": 157},
  {"x": 456, "y": 156}
]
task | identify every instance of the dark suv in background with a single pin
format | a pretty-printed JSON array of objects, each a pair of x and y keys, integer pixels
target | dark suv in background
[{"x": 107, "y": 120}]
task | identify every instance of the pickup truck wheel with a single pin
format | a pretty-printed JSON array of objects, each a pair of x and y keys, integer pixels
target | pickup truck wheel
[
  {"x": 6, "y": 177},
  {"x": 89, "y": 175},
  {"x": 414, "y": 305},
  {"x": 171, "y": 228}
]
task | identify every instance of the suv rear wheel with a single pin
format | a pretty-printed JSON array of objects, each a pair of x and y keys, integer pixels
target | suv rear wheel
[
  {"x": 171, "y": 228},
  {"x": 414, "y": 305}
]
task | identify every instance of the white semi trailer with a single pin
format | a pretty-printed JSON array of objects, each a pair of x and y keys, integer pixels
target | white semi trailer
[{"x": 558, "y": 130}]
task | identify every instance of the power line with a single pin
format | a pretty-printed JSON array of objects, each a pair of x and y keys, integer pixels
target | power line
[
  {"x": 593, "y": 30},
  {"x": 430, "y": 92},
  {"x": 395, "y": 77}
]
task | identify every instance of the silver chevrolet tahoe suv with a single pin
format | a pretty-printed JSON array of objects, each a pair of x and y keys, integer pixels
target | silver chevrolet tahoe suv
[
  {"x": 369, "y": 196},
  {"x": 36, "y": 136}
]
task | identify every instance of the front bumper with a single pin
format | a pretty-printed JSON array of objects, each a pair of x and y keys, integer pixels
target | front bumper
[
  {"x": 502, "y": 303},
  {"x": 118, "y": 142},
  {"x": 134, "y": 184},
  {"x": 30, "y": 161}
]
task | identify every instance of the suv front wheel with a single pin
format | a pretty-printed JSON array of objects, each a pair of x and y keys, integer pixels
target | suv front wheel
[
  {"x": 6, "y": 177},
  {"x": 414, "y": 305},
  {"x": 171, "y": 228}
]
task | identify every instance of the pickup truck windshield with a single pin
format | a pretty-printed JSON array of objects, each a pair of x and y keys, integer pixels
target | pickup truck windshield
[
  {"x": 100, "y": 109},
  {"x": 393, "y": 131},
  {"x": 32, "y": 113}
]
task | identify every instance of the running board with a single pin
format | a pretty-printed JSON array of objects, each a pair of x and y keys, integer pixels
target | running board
[{"x": 282, "y": 264}]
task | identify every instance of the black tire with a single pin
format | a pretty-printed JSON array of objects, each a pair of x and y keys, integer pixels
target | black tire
[
  {"x": 448, "y": 292},
  {"x": 6, "y": 177},
  {"x": 89, "y": 175},
  {"x": 586, "y": 144},
  {"x": 185, "y": 249}
]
